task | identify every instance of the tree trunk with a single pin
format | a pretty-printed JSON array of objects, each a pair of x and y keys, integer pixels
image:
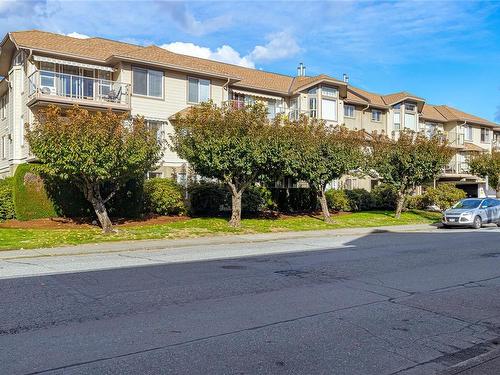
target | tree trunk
[
  {"x": 400, "y": 201},
  {"x": 498, "y": 190},
  {"x": 235, "y": 205},
  {"x": 324, "y": 205},
  {"x": 93, "y": 194}
]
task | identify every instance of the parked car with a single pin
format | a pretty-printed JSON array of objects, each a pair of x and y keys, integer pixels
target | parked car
[{"x": 473, "y": 212}]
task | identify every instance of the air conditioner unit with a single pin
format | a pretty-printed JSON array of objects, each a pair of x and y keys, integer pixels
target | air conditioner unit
[{"x": 48, "y": 90}]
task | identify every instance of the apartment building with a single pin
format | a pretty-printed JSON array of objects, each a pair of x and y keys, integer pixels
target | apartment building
[{"x": 41, "y": 68}]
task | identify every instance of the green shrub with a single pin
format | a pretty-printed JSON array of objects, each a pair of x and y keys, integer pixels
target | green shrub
[
  {"x": 384, "y": 197},
  {"x": 415, "y": 202},
  {"x": 253, "y": 199},
  {"x": 206, "y": 198},
  {"x": 337, "y": 200},
  {"x": 30, "y": 196},
  {"x": 360, "y": 199},
  {"x": 164, "y": 196},
  {"x": 443, "y": 196},
  {"x": 7, "y": 210}
]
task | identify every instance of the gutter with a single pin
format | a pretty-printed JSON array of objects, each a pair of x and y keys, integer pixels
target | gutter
[{"x": 363, "y": 114}]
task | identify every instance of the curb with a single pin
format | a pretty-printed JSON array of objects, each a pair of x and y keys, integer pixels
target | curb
[{"x": 474, "y": 362}]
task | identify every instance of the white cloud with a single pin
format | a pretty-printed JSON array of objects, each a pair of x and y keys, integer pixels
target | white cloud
[
  {"x": 279, "y": 46},
  {"x": 74, "y": 34}
]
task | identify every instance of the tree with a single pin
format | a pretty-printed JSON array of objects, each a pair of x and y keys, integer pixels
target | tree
[
  {"x": 408, "y": 161},
  {"x": 93, "y": 150},
  {"x": 237, "y": 146},
  {"x": 320, "y": 154},
  {"x": 487, "y": 165}
]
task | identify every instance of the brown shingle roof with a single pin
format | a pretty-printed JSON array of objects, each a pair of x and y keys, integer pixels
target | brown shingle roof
[
  {"x": 453, "y": 114},
  {"x": 91, "y": 48},
  {"x": 430, "y": 112},
  {"x": 399, "y": 97},
  {"x": 357, "y": 94}
]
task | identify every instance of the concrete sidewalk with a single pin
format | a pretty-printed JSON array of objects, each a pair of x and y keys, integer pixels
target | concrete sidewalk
[{"x": 141, "y": 245}]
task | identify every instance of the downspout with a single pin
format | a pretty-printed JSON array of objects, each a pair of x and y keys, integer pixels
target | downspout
[
  {"x": 363, "y": 114},
  {"x": 225, "y": 86},
  {"x": 464, "y": 123}
]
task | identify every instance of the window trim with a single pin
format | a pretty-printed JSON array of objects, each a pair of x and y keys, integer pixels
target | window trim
[
  {"x": 162, "y": 96},
  {"x": 488, "y": 139},
  {"x": 373, "y": 111},
  {"x": 336, "y": 106},
  {"x": 353, "y": 110},
  {"x": 198, "y": 79},
  {"x": 467, "y": 127}
]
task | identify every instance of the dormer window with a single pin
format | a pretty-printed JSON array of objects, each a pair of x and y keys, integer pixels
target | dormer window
[
  {"x": 409, "y": 107},
  {"x": 329, "y": 91},
  {"x": 313, "y": 102}
]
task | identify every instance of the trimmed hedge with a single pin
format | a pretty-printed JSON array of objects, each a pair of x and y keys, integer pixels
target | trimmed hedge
[
  {"x": 164, "y": 196},
  {"x": 443, "y": 196},
  {"x": 294, "y": 199},
  {"x": 7, "y": 210},
  {"x": 31, "y": 200}
]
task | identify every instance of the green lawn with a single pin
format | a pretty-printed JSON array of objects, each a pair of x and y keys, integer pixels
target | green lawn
[{"x": 11, "y": 238}]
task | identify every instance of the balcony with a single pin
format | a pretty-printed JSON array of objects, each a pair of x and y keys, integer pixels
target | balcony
[
  {"x": 495, "y": 145},
  {"x": 455, "y": 139},
  {"x": 456, "y": 167},
  {"x": 46, "y": 87}
]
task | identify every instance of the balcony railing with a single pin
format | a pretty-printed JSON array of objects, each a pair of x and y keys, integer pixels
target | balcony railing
[
  {"x": 239, "y": 104},
  {"x": 456, "y": 167},
  {"x": 64, "y": 88},
  {"x": 495, "y": 145},
  {"x": 455, "y": 138}
]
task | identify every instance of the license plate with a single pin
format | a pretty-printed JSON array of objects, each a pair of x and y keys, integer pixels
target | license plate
[{"x": 452, "y": 219}]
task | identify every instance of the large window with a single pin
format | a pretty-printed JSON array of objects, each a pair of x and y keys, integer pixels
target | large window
[
  {"x": 410, "y": 121},
  {"x": 329, "y": 109},
  {"x": 329, "y": 91},
  {"x": 376, "y": 115},
  {"x": 485, "y": 135},
  {"x": 198, "y": 90},
  {"x": 349, "y": 111},
  {"x": 468, "y": 132},
  {"x": 313, "y": 102},
  {"x": 147, "y": 82}
]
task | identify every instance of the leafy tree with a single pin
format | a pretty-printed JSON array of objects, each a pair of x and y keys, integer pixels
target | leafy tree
[
  {"x": 319, "y": 154},
  {"x": 408, "y": 161},
  {"x": 237, "y": 146},
  {"x": 487, "y": 165},
  {"x": 93, "y": 150}
]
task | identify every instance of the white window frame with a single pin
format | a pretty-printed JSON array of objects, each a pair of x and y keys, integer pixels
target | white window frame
[
  {"x": 199, "y": 90},
  {"x": 4, "y": 147},
  {"x": 148, "y": 72},
  {"x": 3, "y": 107},
  {"x": 349, "y": 108},
  {"x": 336, "y": 115},
  {"x": 468, "y": 131},
  {"x": 486, "y": 132},
  {"x": 329, "y": 92},
  {"x": 377, "y": 118}
]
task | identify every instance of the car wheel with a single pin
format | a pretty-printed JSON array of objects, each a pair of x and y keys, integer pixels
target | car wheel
[
  {"x": 478, "y": 223},
  {"x": 498, "y": 223}
]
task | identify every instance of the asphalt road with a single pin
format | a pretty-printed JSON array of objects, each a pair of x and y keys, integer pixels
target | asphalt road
[{"x": 382, "y": 303}]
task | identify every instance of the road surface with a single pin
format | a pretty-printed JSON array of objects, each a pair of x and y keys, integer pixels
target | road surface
[{"x": 378, "y": 303}]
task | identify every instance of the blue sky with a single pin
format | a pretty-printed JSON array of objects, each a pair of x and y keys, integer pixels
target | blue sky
[{"x": 447, "y": 52}]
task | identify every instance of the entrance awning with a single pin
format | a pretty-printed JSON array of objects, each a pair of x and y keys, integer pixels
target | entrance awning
[
  {"x": 249, "y": 93},
  {"x": 72, "y": 63}
]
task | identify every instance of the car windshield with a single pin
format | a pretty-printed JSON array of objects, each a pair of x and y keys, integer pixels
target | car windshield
[{"x": 468, "y": 203}]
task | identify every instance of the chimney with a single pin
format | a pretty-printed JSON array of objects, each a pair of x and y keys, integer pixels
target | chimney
[
  {"x": 345, "y": 78},
  {"x": 301, "y": 70}
]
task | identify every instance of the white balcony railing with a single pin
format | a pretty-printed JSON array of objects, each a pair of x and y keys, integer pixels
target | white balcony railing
[{"x": 79, "y": 89}]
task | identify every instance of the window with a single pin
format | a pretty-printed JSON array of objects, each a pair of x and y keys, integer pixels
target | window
[
  {"x": 409, "y": 107},
  {"x": 485, "y": 135},
  {"x": 349, "y": 111},
  {"x": 410, "y": 122},
  {"x": 271, "y": 109},
  {"x": 430, "y": 129},
  {"x": 397, "y": 121},
  {"x": 468, "y": 132},
  {"x": 3, "y": 106},
  {"x": 376, "y": 115},
  {"x": 157, "y": 128},
  {"x": 147, "y": 82},
  {"x": 329, "y": 91},
  {"x": 329, "y": 109},
  {"x": 198, "y": 90},
  {"x": 313, "y": 102},
  {"x": 294, "y": 109},
  {"x": 4, "y": 147}
]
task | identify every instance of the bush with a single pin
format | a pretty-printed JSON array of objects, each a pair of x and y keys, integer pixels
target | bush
[
  {"x": 443, "y": 196},
  {"x": 294, "y": 199},
  {"x": 7, "y": 210},
  {"x": 384, "y": 197},
  {"x": 360, "y": 199},
  {"x": 212, "y": 198},
  {"x": 415, "y": 202},
  {"x": 337, "y": 200},
  {"x": 163, "y": 196},
  {"x": 30, "y": 196}
]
